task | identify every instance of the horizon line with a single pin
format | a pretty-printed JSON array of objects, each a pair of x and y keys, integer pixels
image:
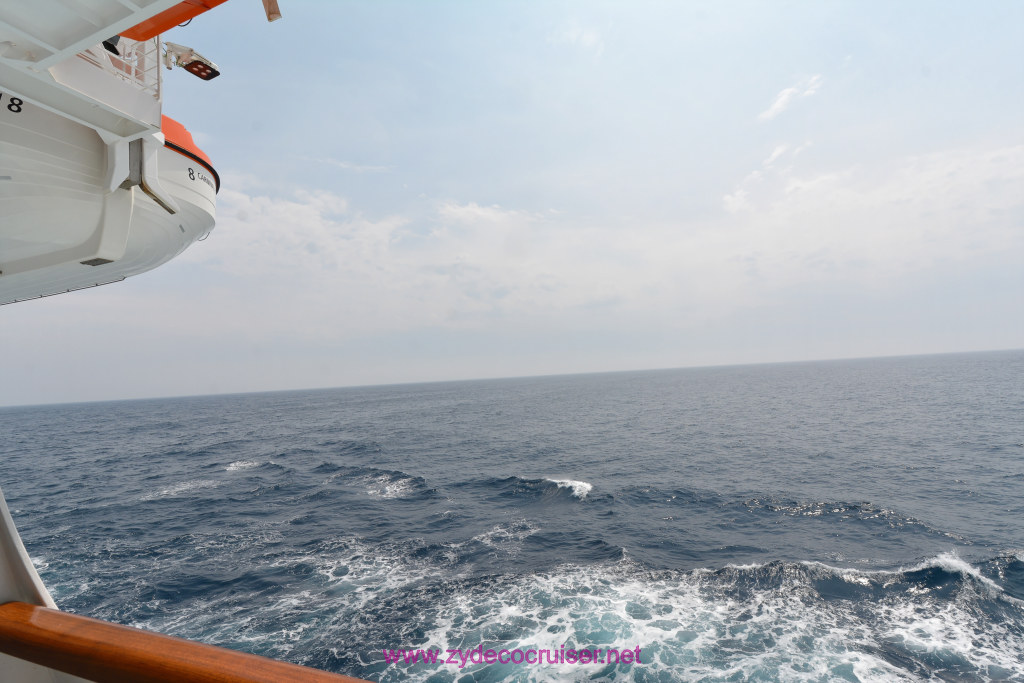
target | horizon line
[{"x": 508, "y": 377}]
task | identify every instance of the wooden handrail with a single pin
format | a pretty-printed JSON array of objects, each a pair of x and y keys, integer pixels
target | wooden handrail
[{"x": 105, "y": 652}]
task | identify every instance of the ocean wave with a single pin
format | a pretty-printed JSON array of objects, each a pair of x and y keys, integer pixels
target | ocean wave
[
  {"x": 342, "y": 447},
  {"x": 951, "y": 564},
  {"x": 579, "y": 489},
  {"x": 508, "y": 537},
  {"x": 816, "y": 508},
  {"x": 517, "y": 488},
  {"x": 644, "y": 496},
  {"x": 180, "y": 488},
  {"x": 241, "y": 465},
  {"x": 374, "y": 482},
  {"x": 392, "y": 484},
  {"x": 860, "y": 511},
  {"x": 766, "y": 621}
]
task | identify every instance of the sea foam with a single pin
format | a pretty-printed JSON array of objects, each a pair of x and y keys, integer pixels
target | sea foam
[
  {"x": 241, "y": 465},
  {"x": 580, "y": 489}
]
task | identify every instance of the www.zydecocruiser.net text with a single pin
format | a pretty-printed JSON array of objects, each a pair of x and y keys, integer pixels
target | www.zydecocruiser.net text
[{"x": 562, "y": 655}]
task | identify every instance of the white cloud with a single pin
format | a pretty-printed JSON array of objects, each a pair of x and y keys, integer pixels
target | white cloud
[
  {"x": 785, "y": 98},
  {"x": 471, "y": 213},
  {"x": 349, "y": 166},
  {"x": 802, "y": 147},
  {"x": 736, "y": 202},
  {"x": 774, "y": 156},
  {"x": 311, "y": 266},
  {"x": 874, "y": 223},
  {"x": 587, "y": 38},
  {"x": 812, "y": 86}
]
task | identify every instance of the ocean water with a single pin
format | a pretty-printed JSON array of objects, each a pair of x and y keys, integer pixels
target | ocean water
[{"x": 850, "y": 520}]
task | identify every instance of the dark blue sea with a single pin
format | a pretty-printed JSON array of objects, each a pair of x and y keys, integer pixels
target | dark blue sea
[{"x": 857, "y": 520}]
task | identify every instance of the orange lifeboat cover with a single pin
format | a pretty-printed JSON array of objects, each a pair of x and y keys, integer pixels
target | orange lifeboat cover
[{"x": 178, "y": 135}]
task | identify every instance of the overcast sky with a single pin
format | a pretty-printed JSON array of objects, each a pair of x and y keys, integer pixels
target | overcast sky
[{"x": 446, "y": 190}]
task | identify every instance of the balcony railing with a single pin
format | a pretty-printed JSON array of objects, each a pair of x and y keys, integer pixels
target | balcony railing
[
  {"x": 138, "y": 63},
  {"x": 111, "y": 653}
]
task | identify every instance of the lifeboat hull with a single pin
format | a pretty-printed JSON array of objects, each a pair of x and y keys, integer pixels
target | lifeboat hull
[{"x": 63, "y": 229}]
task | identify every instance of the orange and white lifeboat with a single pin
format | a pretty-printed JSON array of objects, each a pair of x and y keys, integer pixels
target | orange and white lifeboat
[
  {"x": 95, "y": 184},
  {"x": 65, "y": 227}
]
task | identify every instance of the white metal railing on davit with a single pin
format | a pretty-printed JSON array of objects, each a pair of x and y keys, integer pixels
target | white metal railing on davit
[{"x": 138, "y": 63}]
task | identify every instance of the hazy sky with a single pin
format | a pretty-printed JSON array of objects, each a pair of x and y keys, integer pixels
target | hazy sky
[{"x": 446, "y": 190}]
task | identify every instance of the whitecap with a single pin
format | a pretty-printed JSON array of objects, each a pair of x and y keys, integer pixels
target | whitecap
[
  {"x": 580, "y": 489},
  {"x": 953, "y": 564},
  {"x": 390, "y": 486},
  {"x": 181, "y": 487},
  {"x": 241, "y": 465},
  {"x": 508, "y": 538}
]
